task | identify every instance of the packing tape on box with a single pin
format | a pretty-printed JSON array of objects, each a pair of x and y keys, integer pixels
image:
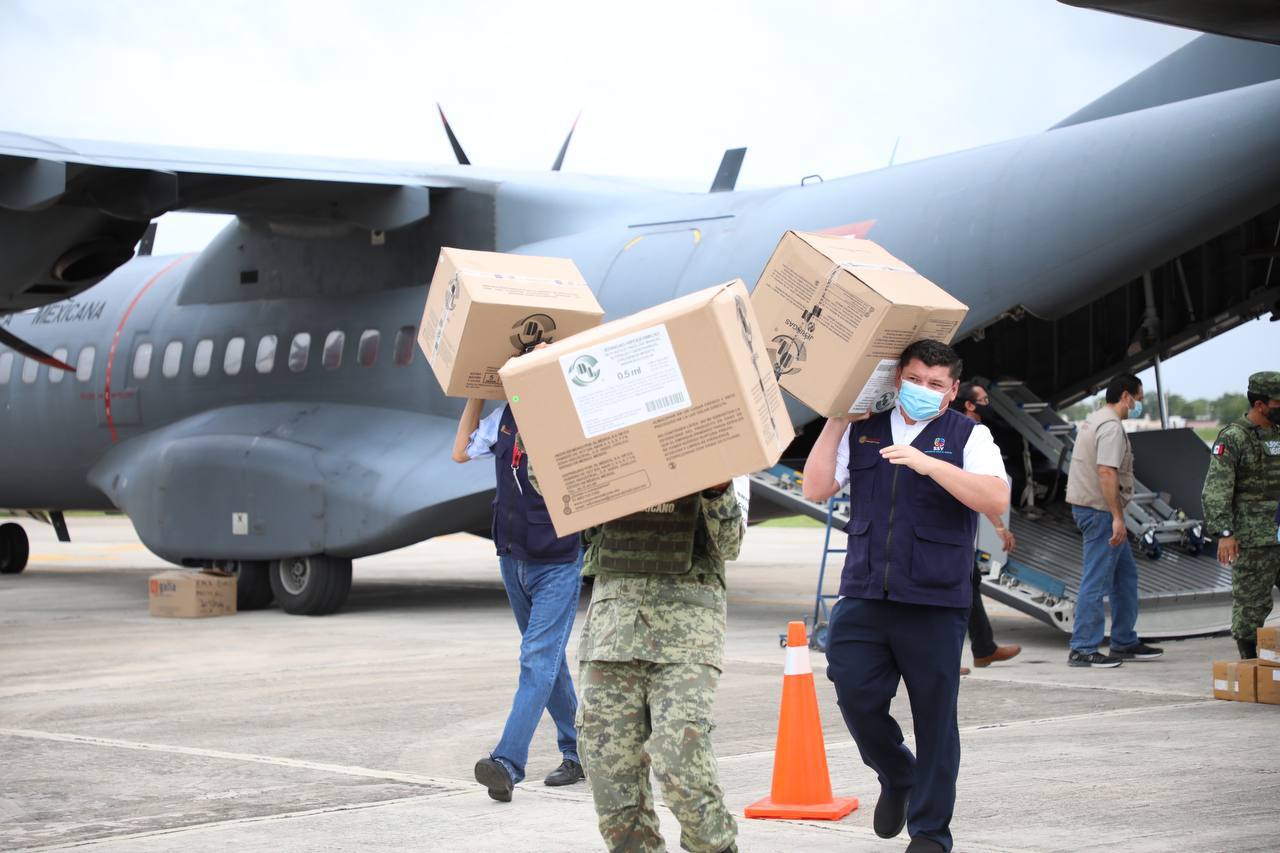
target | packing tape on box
[{"x": 509, "y": 277}]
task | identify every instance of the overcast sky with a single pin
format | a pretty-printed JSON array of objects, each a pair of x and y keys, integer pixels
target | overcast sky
[{"x": 664, "y": 88}]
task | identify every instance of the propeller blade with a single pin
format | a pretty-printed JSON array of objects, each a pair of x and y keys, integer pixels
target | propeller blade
[
  {"x": 148, "y": 241},
  {"x": 727, "y": 175},
  {"x": 19, "y": 345},
  {"x": 555, "y": 167},
  {"x": 453, "y": 140}
]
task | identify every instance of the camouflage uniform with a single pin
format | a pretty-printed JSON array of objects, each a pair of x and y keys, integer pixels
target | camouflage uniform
[
  {"x": 1240, "y": 494},
  {"x": 651, "y": 652}
]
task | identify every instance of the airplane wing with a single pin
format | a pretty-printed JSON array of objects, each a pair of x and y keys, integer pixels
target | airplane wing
[
  {"x": 1257, "y": 20},
  {"x": 71, "y": 211}
]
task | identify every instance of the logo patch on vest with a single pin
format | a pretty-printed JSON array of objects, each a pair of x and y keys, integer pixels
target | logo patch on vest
[
  {"x": 940, "y": 446},
  {"x": 864, "y": 439}
]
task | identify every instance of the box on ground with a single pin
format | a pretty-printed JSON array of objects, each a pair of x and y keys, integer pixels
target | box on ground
[
  {"x": 484, "y": 307},
  {"x": 192, "y": 595},
  {"x": 649, "y": 408},
  {"x": 837, "y": 313},
  {"x": 1269, "y": 646},
  {"x": 1268, "y": 684},
  {"x": 1235, "y": 680}
]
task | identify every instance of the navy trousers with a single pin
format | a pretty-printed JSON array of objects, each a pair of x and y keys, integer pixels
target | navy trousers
[{"x": 871, "y": 645}]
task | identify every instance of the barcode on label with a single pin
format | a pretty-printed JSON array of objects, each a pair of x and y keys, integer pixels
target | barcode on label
[{"x": 664, "y": 402}]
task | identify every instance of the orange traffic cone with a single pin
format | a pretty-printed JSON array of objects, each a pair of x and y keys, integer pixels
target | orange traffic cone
[{"x": 801, "y": 782}]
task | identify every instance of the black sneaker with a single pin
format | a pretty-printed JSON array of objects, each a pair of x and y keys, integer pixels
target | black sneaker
[
  {"x": 1139, "y": 652},
  {"x": 1092, "y": 659},
  {"x": 567, "y": 773},
  {"x": 493, "y": 775}
]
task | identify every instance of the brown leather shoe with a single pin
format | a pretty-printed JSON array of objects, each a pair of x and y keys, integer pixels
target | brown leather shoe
[
  {"x": 964, "y": 670},
  {"x": 1001, "y": 653}
]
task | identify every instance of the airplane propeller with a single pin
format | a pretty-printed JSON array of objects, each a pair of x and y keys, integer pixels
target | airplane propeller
[
  {"x": 462, "y": 155},
  {"x": 17, "y": 344}
]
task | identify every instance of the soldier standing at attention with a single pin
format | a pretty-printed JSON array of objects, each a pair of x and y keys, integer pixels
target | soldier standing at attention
[
  {"x": 918, "y": 476},
  {"x": 651, "y": 654},
  {"x": 1240, "y": 493}
]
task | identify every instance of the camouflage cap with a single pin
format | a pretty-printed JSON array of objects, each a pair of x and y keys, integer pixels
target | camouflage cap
[{"x": 1267, "y": 383}]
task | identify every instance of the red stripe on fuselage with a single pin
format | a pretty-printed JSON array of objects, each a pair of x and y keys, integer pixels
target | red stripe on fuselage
[
  {"x": 853, "y": 229},
  {"x": 115, "y": 341}
]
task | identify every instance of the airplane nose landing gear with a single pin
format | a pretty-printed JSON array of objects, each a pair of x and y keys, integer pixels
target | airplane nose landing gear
[
  {"x": 14, "y": 549},
  {"x": 310, "y": 586}
]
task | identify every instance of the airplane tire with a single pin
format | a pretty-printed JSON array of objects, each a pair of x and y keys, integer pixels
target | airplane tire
[
  {"x": 253, "y": 584},
  {"x": 15, "y": 548},
  {"x": 310, "y": 586}
]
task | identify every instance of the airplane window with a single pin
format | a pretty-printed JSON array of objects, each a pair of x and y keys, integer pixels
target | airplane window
[
  {"x": 142, "y": 361},
  {"x": 266, "y": 359},
  {"x": 6, "y": 367},
  {"x": 405, "y": 340},
  {"x": 369, "y": 340},
  {"x": 84, "y": 364},
  {"x": 55, "y": 375},
  {"x": 332, "y": 358},
  {"x": 202, "y": 357},
  {"x": 172, "y": 361},
  {"x": 298, "y": 352},
  {"x": 30, "y": 367},
  {"x": 233, "y": 357}
]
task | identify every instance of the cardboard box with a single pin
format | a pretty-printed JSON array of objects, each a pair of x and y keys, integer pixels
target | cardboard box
[
  {"x": 1236, "y": 680},
  {"x": 191, "y": 595},
  {"x": 484, "y": 307},
  {"x": 1268, "y": 685},
  {"x": 1269, "y": 646},
  {"x": 649, "y": 408},
  {"x": 837, "y": 313}
]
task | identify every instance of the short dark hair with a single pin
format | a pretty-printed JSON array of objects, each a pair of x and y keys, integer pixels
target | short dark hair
[
  {"x": 966, "y": 394},
  {"x": 1255, "y": 398},
  {"x": 1125, "y": 383},
  {"x": 933, "y": 354}
]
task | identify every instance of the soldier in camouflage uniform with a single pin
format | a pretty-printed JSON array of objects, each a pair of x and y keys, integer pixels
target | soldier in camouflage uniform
[
  {"x": 1240, "y": 494},
  {"x": 651, "y": 656}
]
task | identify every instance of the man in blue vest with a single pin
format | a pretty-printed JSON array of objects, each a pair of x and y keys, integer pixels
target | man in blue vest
[
  {"x": 542, "y": 574},
  {"x": 918, "y": 475}
]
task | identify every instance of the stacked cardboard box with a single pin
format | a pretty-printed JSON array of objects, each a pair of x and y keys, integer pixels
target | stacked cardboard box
[
  {"x": 192, "y": 595},
  {"x": 1268, "y": 683},
  {"x": 485, "y": 307},
  {"x": 649, "y": 408},
  {"x": 1251, "y": 680},
  {"x": 837, "y": 312}
]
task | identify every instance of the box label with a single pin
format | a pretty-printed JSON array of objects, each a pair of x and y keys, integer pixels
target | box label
[
  {"x": 625, "y": 381},
  {"x": 1219, "y": 684},
  {"x": 450, "y": 302},
  {"x": 1268, "y": 654},
  {"x": 880, "y": 392}
]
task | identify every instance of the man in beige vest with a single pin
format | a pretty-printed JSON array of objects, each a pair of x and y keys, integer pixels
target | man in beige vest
[{"x": 1099, "y": 485}]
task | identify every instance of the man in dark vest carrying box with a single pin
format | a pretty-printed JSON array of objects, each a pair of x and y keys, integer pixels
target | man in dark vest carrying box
[{"x": 918, "y": 475}]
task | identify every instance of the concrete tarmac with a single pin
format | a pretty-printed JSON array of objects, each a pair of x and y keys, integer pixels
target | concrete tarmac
[{"x": 264, "y": 731}]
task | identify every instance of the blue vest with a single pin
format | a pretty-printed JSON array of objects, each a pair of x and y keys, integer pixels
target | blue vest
[
  {"x": 909, "y": 539},
  {"x": 521, "y": 524}
]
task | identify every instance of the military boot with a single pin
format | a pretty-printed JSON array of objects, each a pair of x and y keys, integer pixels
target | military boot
[{"x": 1248, "y": 649}]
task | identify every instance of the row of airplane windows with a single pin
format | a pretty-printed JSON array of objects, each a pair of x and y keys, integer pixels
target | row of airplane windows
[{"x": 331, "y": 356}]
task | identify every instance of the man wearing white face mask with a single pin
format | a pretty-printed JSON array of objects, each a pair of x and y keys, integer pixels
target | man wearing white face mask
[
  {"x": 918, "y": 476},
  {"x": 1099, "y": 484}
]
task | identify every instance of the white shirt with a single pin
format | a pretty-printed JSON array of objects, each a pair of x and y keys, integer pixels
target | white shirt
[
  {"x": 981, "y": 456},
  {"x": 485, "y": 435}
]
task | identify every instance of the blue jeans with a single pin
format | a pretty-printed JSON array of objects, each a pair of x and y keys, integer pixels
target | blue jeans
[
  {"x": 1108, "y": 572},
  {"x": 544, "y": 598}
]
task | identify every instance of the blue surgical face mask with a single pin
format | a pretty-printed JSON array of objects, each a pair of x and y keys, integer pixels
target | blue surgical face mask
[
  {"x": 920, "y": 403},
  {"x": 1136, "y": 411}
]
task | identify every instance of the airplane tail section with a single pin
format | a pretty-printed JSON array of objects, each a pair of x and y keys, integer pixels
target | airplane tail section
[{"x": 1204, "y": 66}]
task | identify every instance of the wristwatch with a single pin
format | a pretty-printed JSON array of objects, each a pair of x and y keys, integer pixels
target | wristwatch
[{"x": 1225, "y": 534}]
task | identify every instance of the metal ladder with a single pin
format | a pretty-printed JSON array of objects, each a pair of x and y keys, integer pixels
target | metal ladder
[{"x": 1148, "y": 517}]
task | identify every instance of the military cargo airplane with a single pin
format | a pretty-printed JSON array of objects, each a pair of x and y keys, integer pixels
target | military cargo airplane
[{"x": 260, "y": 405}]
